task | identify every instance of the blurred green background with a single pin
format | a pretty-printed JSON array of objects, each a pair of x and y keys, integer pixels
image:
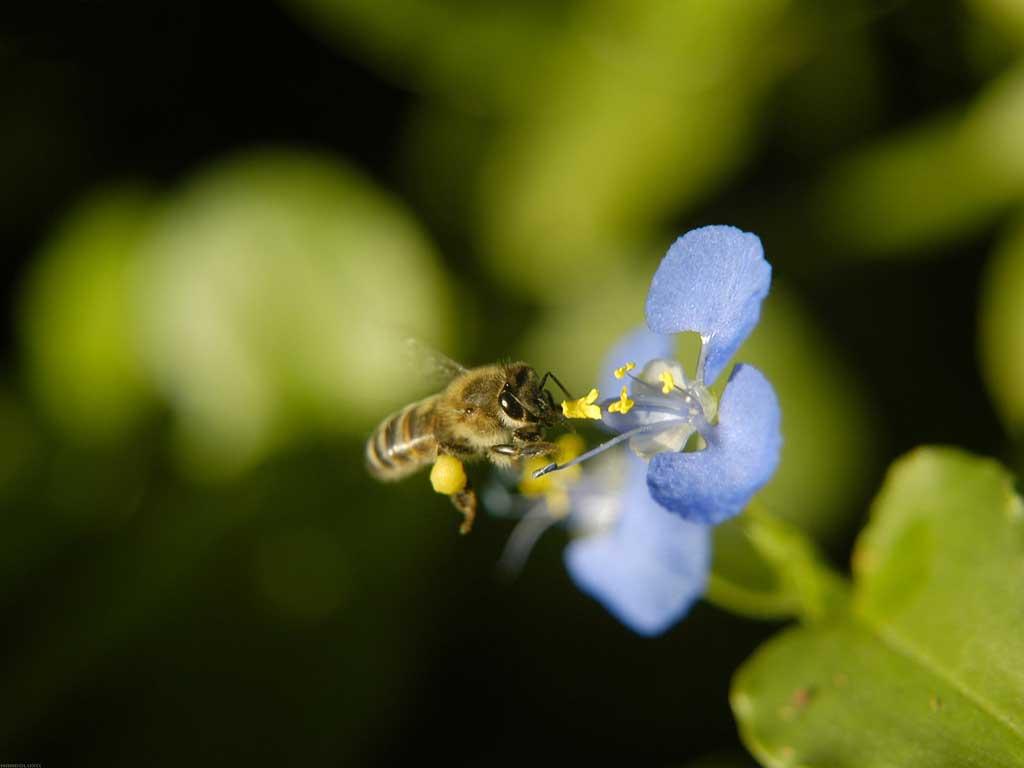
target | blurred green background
[{"x": 217, "y": 222}]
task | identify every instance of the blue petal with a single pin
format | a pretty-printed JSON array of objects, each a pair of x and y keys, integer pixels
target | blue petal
[
  {"x": 650, "y": 567},
  {"x": 715, "y": 484},
  {"x": 638, "y": 346},
  {"x": 712, "y": 281}
]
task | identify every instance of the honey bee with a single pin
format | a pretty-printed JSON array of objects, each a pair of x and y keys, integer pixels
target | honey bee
[{"x": 497, "y": 412}]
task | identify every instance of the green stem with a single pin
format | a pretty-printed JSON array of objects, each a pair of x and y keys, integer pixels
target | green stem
[
  {"x": 818, "y": 588},
  {"x": 808, "y": 588}
]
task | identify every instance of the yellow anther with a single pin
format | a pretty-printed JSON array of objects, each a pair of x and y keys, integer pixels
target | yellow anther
[
  {"x": 624, "y": 405},
  {"x": 620, "y": 372},
  {"x": 667, "y": 382},
  {"x": 448, "y": 476},
  {"x": 583, "y": 408}
]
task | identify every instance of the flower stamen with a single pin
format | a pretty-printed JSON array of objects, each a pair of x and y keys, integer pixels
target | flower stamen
[
  {"x": 646, "y": 383},
  {"x": 667, "y": 382},
  {"x": 524, "y": 536},
  {"x": 583, "y": 408},
  {"x": 702, "y": 356},
  {"x": 620, "y": 372},
  {"x": 555, "y": 467},
  {"x": 624, "y": 404}
]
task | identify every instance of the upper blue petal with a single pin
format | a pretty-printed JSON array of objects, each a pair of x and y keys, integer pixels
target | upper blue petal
[
  {"x": 650, "y": 567},
  {"x": 712, "y": 281},
  {"x": 742, "y": 454},
  {"x": 638, "y": 346}
]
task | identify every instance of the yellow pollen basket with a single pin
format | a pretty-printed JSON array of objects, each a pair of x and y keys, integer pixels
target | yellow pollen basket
[
  {"x": 624, "y": 405},
  {"x": 583, "y": 408},
  {"x": 553, "y": 487},
  {"x": 667, "y": 382},
  {"x": 448, "y": 476},
  {"x": 620, "y": 372}
]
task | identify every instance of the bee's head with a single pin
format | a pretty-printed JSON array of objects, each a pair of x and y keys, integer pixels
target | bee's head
[{"x": 523, "y": 400}]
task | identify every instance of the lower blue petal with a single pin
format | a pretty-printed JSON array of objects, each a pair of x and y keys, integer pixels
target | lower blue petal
[
  {"x": 712, "y": 485},
  {"x": 650, "y": 567}
]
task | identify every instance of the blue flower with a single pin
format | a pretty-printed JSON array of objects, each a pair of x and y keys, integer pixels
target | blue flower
[
  {"x": 643, "y": 538},
  {"x": 646, "y": 565}
]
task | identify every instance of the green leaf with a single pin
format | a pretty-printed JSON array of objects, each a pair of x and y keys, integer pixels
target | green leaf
[
  {"x": 939, "y": 181},
  {"x": 275, "y": 292},
  {"x": 1001, "y": 329},
  {"x": 78, "y": 323},
  {"x": 1004, "y": 18},
  {"x": 578, "y": 173},
  {"x": 472, "y": 56},
  {"x": 927, "y": 666}
]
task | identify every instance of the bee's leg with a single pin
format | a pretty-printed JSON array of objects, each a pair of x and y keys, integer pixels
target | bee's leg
[
  {"x": 465, "y": 502},
  {"x": 530, "y": 443},
  {"x": 538, "y": 449},
  {"x": 513, "y": 451}
]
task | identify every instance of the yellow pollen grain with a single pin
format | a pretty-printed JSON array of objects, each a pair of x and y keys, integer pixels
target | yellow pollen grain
[
  {"x": 552, "y": 485},
  {"x": 624, "y": 404},
  {"x": 569, "y": 447},
  {"x": 667, "y": 382},
  {"x": 448, "y": 476},
  {"x": 583, "y": 408},
  {"x": 620, "y": 372}
]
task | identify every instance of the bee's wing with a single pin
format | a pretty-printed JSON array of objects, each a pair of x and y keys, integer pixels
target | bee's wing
[{"x": 436, "y": 368}]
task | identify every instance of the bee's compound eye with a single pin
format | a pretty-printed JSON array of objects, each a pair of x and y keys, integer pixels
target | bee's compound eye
[{"x": 510, "y": 406}]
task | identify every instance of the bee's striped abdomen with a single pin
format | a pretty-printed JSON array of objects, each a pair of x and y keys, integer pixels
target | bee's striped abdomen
[{"x": 403, "y": 443}]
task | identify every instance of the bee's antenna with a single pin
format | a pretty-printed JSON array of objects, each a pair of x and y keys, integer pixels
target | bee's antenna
[{"x": 561, "y": 386}]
